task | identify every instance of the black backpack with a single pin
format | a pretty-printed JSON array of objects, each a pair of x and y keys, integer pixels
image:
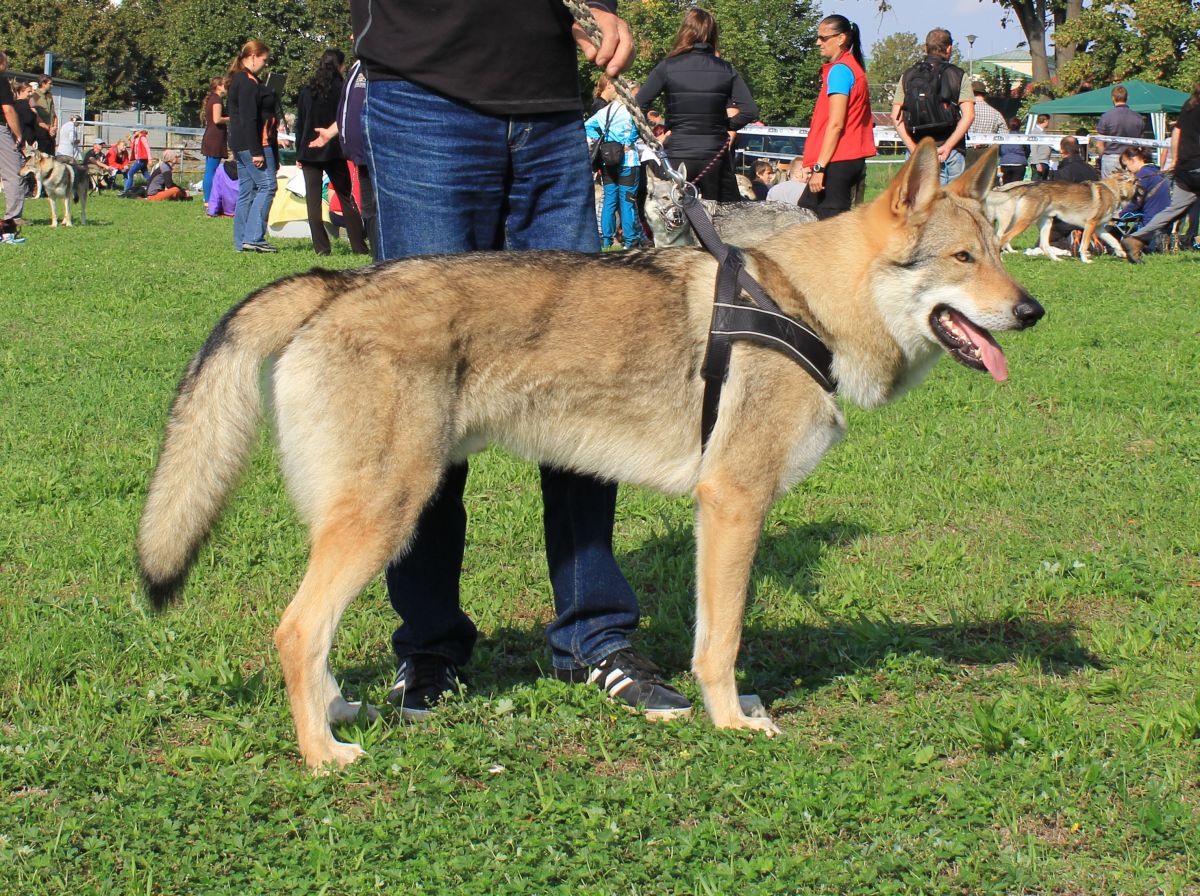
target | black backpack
[{"x": 928, "y": 110}]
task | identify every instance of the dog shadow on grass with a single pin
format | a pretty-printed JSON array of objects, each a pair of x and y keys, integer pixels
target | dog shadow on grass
[{"x": 777, "y": 660}]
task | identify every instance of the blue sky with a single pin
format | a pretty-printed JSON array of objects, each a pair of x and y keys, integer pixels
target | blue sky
[{"x": 960, "y": 17}]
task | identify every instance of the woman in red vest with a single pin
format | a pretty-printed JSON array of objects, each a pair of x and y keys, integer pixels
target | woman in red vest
[{"x": 841, "y": 138}]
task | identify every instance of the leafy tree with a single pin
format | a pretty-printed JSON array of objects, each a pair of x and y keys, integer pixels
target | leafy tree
[
  {"x": 199, "y": 38},
  {"x": 890, "y": 56},
  {"x": 92, "y": 41},
  {"x": 1147, "y": 40},
  {"x": 1037, "y": 19},
  {"x": 162, "y": 52}
]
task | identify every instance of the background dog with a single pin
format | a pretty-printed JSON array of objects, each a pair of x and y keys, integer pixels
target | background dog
[
  {"x": 58, "y": 181},
  {"x": 1087, "y": 205},
  {"x": 739, "y": 223},
  {"x": 384, "y": 376}
]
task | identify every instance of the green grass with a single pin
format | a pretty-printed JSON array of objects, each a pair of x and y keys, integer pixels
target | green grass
[{"x": 977, "y": 624}]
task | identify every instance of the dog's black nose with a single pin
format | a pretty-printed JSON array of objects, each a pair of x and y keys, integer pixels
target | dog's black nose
[{"x": 1028, "y": 311}]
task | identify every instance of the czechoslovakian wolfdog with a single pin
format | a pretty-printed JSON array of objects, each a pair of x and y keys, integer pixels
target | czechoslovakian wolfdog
[
  {"x": 1087, "y": 205},
  {"x": 59, "y": 181},
  {"x": 740, "y": 223},
  {"x": 381, "y": 377}
]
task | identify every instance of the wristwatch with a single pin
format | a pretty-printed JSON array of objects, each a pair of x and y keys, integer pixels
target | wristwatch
[{"x": 817, "y": 168}]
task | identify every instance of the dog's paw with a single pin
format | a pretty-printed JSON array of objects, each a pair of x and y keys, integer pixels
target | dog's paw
[
  {"x": 744, "y": 722},
  {"x": 339, "y": 755}
]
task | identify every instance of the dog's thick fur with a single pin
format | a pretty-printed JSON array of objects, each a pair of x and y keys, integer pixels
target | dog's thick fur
[
  {"x": 739, "y": 223},
  {"x": 1088, "y": 205},
  {"x": 58, "y": 181},
  {"x": 384, "y": 376}
]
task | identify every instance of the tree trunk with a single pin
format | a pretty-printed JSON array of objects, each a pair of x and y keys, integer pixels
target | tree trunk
[
  {"x": 1031, "y": 15},
  {"x": 1068, "y": 12}
]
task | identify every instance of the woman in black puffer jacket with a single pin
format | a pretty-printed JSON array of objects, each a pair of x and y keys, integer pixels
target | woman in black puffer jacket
[{"x": 706, "y": 101}]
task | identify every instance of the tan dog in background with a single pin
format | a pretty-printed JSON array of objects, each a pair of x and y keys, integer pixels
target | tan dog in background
[{"x": 1087, "y": 205}]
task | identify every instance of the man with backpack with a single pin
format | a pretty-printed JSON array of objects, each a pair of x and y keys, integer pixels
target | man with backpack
[{"x": 935, "y": 99}]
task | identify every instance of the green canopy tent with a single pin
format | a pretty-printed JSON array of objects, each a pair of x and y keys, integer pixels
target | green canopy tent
[{"x": 1151, "y": 99}]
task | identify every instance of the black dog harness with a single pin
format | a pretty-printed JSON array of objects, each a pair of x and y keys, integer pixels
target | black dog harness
[{"x": 759, "y": 320}]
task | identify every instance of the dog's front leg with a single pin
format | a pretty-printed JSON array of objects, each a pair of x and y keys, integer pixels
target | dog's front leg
[
  {"x": 1044, "y": 238},
  {"x": 728, "y": 522},
  {"x": 1089, "y": 231}
]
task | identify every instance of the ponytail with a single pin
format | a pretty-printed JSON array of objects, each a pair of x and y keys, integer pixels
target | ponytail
[
  {"x": 842, "y": 25},
  {"x": 249, "y": 48}
]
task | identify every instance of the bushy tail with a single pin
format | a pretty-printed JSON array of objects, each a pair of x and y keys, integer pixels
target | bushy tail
[{"x": 212, "y": 426}]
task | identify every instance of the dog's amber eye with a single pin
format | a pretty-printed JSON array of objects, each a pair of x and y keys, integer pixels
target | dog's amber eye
[{"x": 963, "y": 256}]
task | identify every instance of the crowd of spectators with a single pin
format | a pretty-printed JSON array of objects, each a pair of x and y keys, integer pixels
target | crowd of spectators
[{"x": 706, "y": 101}]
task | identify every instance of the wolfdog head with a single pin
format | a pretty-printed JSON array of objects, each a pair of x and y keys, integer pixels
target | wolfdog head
[
  {"x": 665, "y": 217},
  {"x": 941, "y": 282}
]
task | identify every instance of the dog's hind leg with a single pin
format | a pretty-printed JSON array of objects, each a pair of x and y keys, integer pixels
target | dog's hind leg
[
  {"x": 729, "y": 519},
  {"x": 1017, "y": 227},
  {"x": 364, "y": 528}
]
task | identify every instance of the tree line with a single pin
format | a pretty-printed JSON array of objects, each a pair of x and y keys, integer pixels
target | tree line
[{"x": 161, "y": 53}]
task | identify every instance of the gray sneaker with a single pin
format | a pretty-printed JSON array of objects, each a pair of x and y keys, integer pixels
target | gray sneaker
[{"x": 628, "y": 678}]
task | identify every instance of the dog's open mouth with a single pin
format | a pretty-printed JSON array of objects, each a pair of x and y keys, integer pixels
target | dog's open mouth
[{"x": 967, "y": 343}]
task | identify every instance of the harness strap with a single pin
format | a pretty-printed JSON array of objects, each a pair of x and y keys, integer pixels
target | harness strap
[{"x": 760, "y": 321}]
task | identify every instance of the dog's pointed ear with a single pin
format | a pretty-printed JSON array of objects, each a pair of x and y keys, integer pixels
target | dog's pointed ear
[
  {"x": 975, "y": 182},
  {"x": 914, "y": 189}
]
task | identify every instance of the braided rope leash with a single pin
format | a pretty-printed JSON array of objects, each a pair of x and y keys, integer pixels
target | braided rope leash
[{"x": 582, "y": 14}]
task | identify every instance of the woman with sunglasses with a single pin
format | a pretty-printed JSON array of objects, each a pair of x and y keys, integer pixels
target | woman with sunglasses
[{"x": 841, "y": 138}]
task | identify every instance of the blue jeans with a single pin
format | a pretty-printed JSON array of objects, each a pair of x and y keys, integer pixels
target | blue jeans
[
  {"x": 955, "y": 164},
  {"x": 256, "y": 188},
  {"x": 138, "y": 165},
  {"x": 621, "y": 194},
  {"x": 449, "y": 178},
  {"x": 211, "y": 164}
]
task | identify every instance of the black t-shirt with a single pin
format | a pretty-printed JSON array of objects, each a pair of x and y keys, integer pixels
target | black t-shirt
[
  {"x": 1189, "y": 138},
  {"x": 6, "y": 99},
  {"x": 1075, "y": 170},
  {"x": 27, "y": 118},
  {"x": 507, "y": 58}
]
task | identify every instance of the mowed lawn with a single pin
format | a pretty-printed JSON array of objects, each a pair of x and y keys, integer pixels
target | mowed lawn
[{"x": 978, "y": 625}]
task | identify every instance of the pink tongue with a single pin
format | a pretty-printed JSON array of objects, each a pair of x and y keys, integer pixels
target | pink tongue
[{"x": 989, "y": 348}]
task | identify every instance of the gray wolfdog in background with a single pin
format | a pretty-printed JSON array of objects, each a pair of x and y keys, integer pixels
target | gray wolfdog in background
[
  {"x": 739, "y": 223},
  {"x": 59, "y": 181},
  {"x": 381, "y": 377}
]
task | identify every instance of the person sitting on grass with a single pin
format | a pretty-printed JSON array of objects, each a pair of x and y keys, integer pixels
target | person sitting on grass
[
  {"x": 102, "y": 174},
  {"x": 222, "y": 195},
  {"x": 1153, "y": 189},
  {"x": 161, "y": 186},
  {"x": 117, "y": 157}
]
